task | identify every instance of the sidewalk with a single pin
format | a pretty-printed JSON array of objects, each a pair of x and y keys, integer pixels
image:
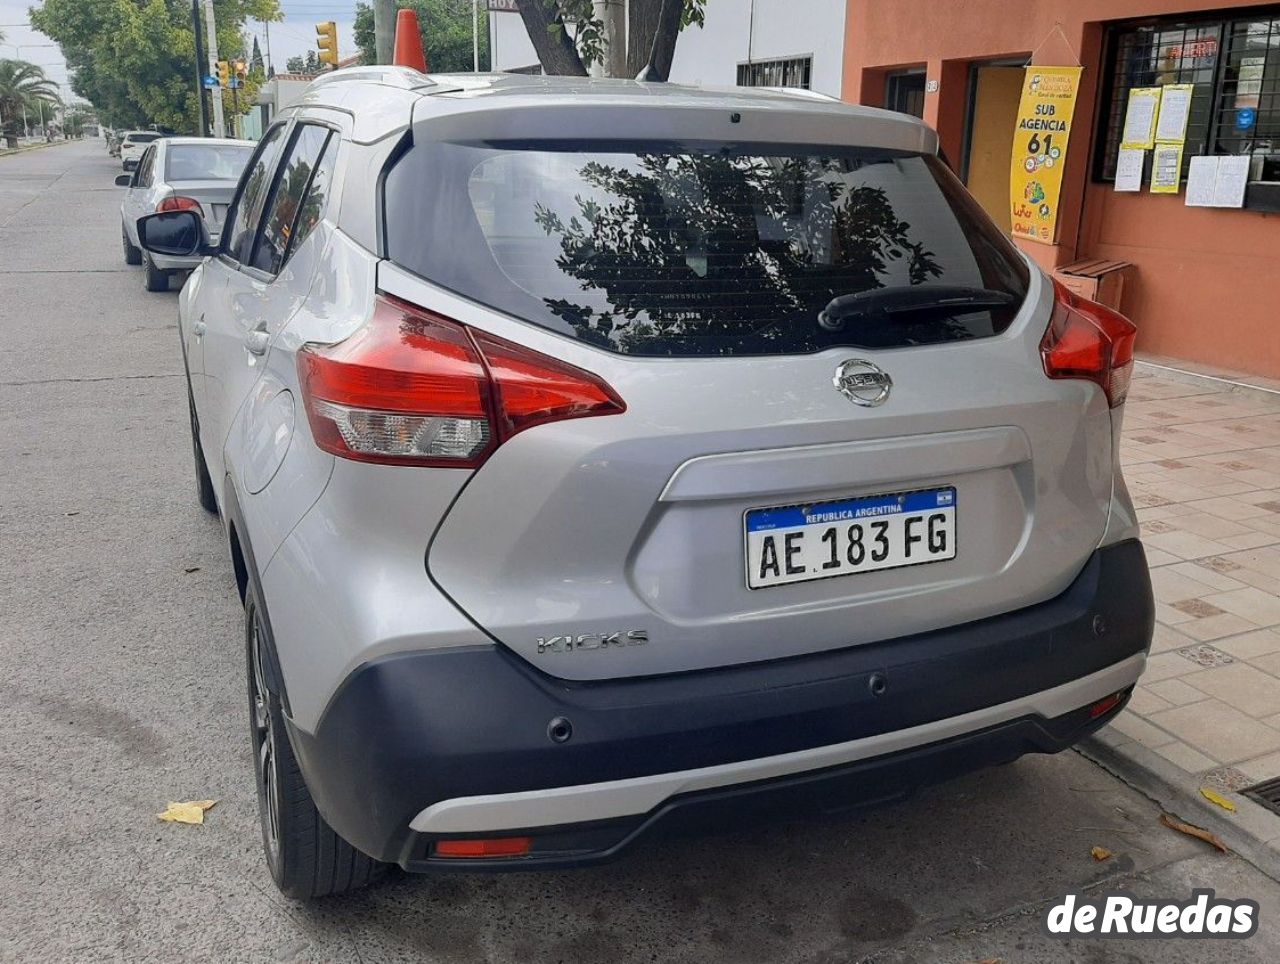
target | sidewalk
[{"x": 1203, "y": 466}]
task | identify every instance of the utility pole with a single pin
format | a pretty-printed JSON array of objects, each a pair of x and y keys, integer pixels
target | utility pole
[
  {"x": 200, "y": 74},
  {"x": 475, "y": 35},
  {"x": 612, "y": 15},
  {"x": 266, "y": 26},
  {"x": 384, "y": 30},
  {"x": 211, "y": 35}
]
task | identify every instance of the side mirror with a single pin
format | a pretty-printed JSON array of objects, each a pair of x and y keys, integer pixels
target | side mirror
[
  {"x": 124, "y": 180},
  {"x": 179, "y": 234}
]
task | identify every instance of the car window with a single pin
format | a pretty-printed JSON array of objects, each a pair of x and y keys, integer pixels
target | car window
[
  {"x": 142, "y": 138},
  {"x": 705, "y": 248},
  {"x": 251, "y": 195},
  {"x": 145, "y": 167},
  {"x": 201, "y": 162},
  {"x": 295, "y": 204}
]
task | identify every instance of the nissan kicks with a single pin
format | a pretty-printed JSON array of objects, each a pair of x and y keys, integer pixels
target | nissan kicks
[{"x": 598, "y": 455}]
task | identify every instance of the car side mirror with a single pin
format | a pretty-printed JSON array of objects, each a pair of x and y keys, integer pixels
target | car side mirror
[
  {"x": 124, "y": 180},
  {"x": 178, "y": 234}
]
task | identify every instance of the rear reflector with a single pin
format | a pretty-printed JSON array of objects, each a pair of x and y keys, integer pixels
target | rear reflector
[
  {"x": 178, "y": 203},
  {"x": 495, "y": 847},
  {"x": 1102, "y": 707},
  {"x": 1089, "y": 341},
  {"x": 414, "y": 388}
]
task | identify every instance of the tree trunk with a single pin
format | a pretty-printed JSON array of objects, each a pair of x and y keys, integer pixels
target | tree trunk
[
  {"x": 555, "y": 48},
  {"x": 661, "y": 24},
  {"x": 642, "y": 24}
]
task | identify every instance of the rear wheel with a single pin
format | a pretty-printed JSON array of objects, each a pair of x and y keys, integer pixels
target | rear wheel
[
  {"x": 132, "y": 254},
  {"x": 156, "y": 280},
  {"x": 204, "y": 484},
  {"x": 305, "y": 856}
]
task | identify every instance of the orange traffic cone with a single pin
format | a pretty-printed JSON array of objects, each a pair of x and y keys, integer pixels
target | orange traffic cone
[{"x": 409, "y": 42}]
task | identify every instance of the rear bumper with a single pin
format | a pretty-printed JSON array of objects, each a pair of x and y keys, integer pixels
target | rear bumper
[{"x": 456, "y": 742}]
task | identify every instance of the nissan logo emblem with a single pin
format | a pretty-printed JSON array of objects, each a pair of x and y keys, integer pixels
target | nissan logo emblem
[{"x": 862, "y": 382}]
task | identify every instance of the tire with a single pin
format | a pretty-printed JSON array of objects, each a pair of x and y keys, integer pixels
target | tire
[
  {"x": 205, "y": 494},
  {"x": 132, "y": 255},
  {"x": 306, "y": 857},
  {"x": 155, "y": 279}
]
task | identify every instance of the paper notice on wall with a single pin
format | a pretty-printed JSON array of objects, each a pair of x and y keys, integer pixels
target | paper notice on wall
[
  {"x": 1201, "y": 180},
  {"x": 1129, "y": 170},
  {"x": 1233, "y": 178},
  {"x": 1140, "y": 118},
  {"x": 1166, "y": 169},
  {"x": 1175, "y": 108}
]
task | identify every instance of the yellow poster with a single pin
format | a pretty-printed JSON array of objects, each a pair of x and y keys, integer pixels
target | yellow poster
[{"x": 1040, "y": 150}]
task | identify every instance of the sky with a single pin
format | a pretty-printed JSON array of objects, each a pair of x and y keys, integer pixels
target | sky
[{"x": 295, "y": 36}]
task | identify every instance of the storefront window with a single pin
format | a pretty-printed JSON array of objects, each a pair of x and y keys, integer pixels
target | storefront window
[{"x": 1234, "y": 66}]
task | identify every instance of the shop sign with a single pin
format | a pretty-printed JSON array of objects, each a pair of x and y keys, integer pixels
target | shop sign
[{"x": 1040, "y": 150}]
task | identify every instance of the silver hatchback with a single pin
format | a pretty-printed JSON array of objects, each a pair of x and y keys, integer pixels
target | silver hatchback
[
  {"x": 179, "y": 174},
  {"x": 596, "y": 455}
]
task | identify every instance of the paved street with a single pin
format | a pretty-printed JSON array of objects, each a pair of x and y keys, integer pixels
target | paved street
[{"x": 122, "y": 687}]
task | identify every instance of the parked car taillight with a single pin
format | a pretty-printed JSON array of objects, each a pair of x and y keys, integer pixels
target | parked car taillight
[
  {"x": 411, "y": 387},
  {"x": 178, "y": 203},
  {"x": 1090, "y": 341}
]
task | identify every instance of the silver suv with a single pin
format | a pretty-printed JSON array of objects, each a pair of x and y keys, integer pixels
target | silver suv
[{"x": 599, "y": 455}]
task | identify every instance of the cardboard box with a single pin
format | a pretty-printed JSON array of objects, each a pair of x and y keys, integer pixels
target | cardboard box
[{"x": 1096, "y": 279}]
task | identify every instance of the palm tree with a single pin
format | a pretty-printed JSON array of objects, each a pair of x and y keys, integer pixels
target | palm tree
[{"x": 22, "y": 86}]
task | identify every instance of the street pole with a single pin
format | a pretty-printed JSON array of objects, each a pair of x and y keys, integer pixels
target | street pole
[
  {"x": 195, "y": 27},
  {"x": 475, "y": 35},
  {"x": 235, "y": 106},
  {"x": 384, "y": 30},
  {"x": 266, "y": 26},
  {"x": 211, "y": 37}
]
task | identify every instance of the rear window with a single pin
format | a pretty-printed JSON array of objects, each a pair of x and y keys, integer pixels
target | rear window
[
  {"x": 706, "y": 249},
  {"x": 141, "y": 138},
  {"x": 201, "y": 162}
]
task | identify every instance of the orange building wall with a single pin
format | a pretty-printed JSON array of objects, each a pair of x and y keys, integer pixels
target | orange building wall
[{"x": 1206, "y": 283}]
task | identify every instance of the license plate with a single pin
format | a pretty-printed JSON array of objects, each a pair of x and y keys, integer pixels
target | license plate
[{"x": 799, "y": 543}]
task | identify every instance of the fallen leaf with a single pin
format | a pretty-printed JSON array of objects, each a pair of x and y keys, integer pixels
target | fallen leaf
[
  {"x": 191, "y": 569},
  {"x": 192, "y": 811},
  {"x": 1173, "y": 823},
  {"x": 1213, "y": 796},
  {"x": 1100, "y": 853},
  {"x": 77, "y": 512}
]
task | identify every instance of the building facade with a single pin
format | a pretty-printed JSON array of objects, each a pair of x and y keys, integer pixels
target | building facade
[
  {"x": 775, "y": 43},
  {"x": 1205, "y": 281}
]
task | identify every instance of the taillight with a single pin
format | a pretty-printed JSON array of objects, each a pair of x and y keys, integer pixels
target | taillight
[
  {"x": 179, "y": 203},
  {"x": 411, "y": 387},
  {"x": 1090, "y": 341}
]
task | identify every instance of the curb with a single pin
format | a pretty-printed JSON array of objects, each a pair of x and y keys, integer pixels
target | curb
[
  {"x": 1202, "y": 380},
  {"x": 1252, "y": 831},
  {"x": 5, "y": 152}
]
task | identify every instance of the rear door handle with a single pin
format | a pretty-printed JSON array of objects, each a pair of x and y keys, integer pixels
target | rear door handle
[{"x": 257, "y": 340}]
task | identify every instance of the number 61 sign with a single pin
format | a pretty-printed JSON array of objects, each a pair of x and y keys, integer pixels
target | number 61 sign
[{"x": 1040, "y": 150}]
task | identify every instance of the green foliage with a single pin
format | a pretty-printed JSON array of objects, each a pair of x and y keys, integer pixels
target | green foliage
[
  {"x": 134, "y": 60},
  {"x": 445, "y": 26},
  {"x": 308, "y": 66},
  {"x": 23, "y": 86}
]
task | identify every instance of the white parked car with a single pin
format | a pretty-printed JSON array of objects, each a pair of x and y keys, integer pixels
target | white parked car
[
  {"x": 132, "y": 144},
  {"x": 179, "y": 174}
]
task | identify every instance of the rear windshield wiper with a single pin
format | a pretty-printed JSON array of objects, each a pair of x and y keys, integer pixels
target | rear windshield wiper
[{"x": 912, "y": 302}]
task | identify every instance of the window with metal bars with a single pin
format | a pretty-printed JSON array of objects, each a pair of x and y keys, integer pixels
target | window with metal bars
[
  {"x": 792, "y": 72},
  {"x": 1234, "y": 65}
]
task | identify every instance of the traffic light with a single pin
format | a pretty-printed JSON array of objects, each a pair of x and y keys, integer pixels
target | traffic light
[
  {"x": 327, "y": 41},
  {"x": 241, "y": 68},
  {"x": 224, "y": 73}
]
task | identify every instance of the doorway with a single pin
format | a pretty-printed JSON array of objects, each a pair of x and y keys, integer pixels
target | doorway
[{"x": 994, "y": 92}]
